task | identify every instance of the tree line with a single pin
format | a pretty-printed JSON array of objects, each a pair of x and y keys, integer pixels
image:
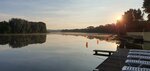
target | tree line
[
  {"x": 16, "y": 25},
  {"x": 132, "y": 21},
  {"x": 108, "y": 28}
]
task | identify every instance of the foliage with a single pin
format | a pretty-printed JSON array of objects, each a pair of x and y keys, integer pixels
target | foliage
[
  {"x": 132, "y": 21},
  {"x": 146, "y": 6},
  {"x": 16, "y": 25},
  {"x": 132, "y": 15},
  {"x": 109, "y": 28}
]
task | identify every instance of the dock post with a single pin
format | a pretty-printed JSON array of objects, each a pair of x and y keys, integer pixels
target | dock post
[
  {"x": 95, "y": 52},
  {"x": 109, "y": 53}
]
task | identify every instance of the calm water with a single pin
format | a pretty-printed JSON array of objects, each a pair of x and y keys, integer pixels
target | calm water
[{"x": 52, "y": 52}]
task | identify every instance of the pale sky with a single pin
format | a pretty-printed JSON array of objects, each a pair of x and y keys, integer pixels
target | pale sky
[{"x": 67, "y": 14}]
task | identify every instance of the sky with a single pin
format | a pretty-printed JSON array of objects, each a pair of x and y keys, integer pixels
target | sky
[{"x": 67, "y": 14}]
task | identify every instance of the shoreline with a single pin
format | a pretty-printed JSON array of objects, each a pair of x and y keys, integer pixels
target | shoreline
[{"x": 24, "y": 34}]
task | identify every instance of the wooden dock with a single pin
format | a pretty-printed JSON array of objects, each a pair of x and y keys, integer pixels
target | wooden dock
[
  {"x": 104, "y": 51},
  {"x": 115, "y": 62}
]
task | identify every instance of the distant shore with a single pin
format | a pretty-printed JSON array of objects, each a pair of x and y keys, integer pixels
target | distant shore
[{"x": 25, "y": 34}]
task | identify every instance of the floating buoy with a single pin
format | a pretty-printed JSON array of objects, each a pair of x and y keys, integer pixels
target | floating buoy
[
  {"x": 97, "y": 41},
  {"x": 86, "y": 44}
]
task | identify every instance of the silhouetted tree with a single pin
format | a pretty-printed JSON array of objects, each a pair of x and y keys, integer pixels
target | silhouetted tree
[
  {"x": 4, "y": 27},
  {"x": 108, "y": 28},
  {"x": 132, "y": 15},
  {"x": 137, "y": 15},
  {"x": 132, "y": 20},
  {"x": 146, "y": 6},
  {"x": 16, "y": 25}
]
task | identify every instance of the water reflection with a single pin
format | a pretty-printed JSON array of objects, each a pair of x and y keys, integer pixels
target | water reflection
[
  {"x": 55, "y": 52},
  {"x": 18, "y": 41},
  {"x": 96, "y": 37},
  {"x": 129, "y": 45},
  {"x": 99, "y": 37}
]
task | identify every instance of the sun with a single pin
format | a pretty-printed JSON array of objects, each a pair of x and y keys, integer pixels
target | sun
[{"x": 119, "y": 18}]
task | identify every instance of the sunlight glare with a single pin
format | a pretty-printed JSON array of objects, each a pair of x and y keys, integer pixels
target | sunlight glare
[{"x": 119, "y": 18}]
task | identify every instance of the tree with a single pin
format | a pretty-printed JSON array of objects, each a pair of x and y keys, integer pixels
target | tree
[
  {"x": 146, "y": 6},
  {"x": 132, "y": 15},
  {"x": 137, "y": 15},
  {"x": 16, "y": 25},
  {"x": 131, "y": 21},
  {"x": 5, "y": 27}
]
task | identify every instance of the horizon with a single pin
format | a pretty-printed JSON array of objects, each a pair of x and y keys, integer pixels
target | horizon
[{"x": 67, "y": 14}]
